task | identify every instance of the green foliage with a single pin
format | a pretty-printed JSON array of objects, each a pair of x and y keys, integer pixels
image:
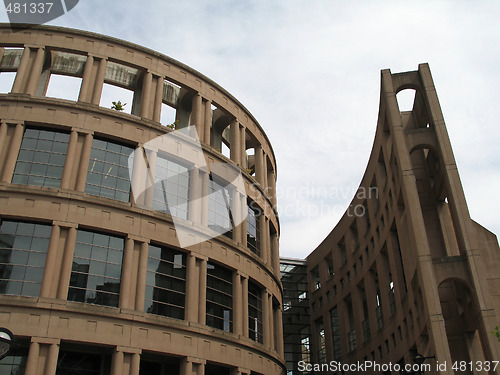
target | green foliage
[
  {"x": 118, "y": 106},
  {"x": 173, "y": 125},
  {"x": 496, "y": 333}
]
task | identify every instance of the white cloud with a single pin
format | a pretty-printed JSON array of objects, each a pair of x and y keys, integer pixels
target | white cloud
[{"x": 310, "y": 73}]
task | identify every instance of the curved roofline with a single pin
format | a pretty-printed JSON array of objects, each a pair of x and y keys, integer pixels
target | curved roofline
[{"x": 150, "y": 52}]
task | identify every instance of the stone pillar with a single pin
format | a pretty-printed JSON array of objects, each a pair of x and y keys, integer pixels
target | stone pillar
[
  {"x": 146, "y": 95},
  {"x": 371, "y": 300},
  {"x": 244, "y": 293},
  {"x": 195, "y": 195},
  {"x": 259, "y": 165},
  {"x": 383, "y": 279},
  {"x": 117, "y": 362},
  {"x": 84, "y": 163},
  {"x": 205, "y": 183},
  {"x": 202, "y": 303},
  {"x": 70, "y": 161},
  {"x": 235, "y": 142},
  {"x": 158, "y": 101},
  {"x": 358, "y": 317},
  {"x": 243, "y": 225},
  {"x": 271, "y": 189},
  {"x": 207, "y": 123},
  {"x": 87, "y": 76},
  {"x": 270, "y": 319},
  {"x": 135, "y": 364},
  {"x": 243, "y": 148},
  {"x": 32, "y": 361},
  {"x": 192, "y": 290},
  {"x": 280, "y": 331},
  {"x": 264, "y": 239},
  {"x": 13, "y": 151},
  {"x": 237, "y": 304},
  {"x": 150, "y": 177},
  {"x": 237, "y": 229},
  {"x": 49, "y": 271},
  {"x": 22, "y": 72},
  {"x": 36, "y": 71},
  {"x": 3, "y": 139},
  {"x": 196, "y": 114},
  {"x": 51, "y": 360},
  {"x": 128, "y": 255},
  {"x": 276, "y": 254},
  {"x": 141, "y": 277},
  {"x": 99, "y": 82},
  {"x": 67, "y": 264}
]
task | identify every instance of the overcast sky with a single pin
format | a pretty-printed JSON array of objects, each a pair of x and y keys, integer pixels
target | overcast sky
[{"x": 309, "y": 71}]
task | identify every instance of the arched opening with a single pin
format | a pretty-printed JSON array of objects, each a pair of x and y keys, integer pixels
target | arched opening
[
  {"x": 461, "y": 323},
  {"x": 221, "y": 132},
  {"x": 406, "y": 99}
]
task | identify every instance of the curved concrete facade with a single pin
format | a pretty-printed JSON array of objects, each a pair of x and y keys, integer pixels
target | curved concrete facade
[
  {"x": 221, "y": 306},
  {"x": 406, "y": 270}
]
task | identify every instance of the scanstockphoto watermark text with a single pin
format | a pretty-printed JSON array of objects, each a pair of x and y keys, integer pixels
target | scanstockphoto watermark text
[{"x": 372, "y": 366}]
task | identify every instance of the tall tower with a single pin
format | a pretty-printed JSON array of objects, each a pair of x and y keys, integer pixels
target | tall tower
[
  {"x": 406, "y": 271},
  {"x": 132, "y": 242}
]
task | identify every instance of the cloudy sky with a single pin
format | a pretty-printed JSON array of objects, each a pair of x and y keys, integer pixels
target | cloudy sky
[{"x": 309, "y": 71}]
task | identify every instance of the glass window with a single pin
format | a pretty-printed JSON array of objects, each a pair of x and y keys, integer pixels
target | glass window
[
  {"x": 254, "y": 312},
  {"x": 171, "y": 188},
  {"x": 166, "y": 282},
  {"x": 219, "y": 297},
  {"x": 41, "y": 158},
  {"x": 23, "y": 250},
  {"x": 108, "y": 174},
  {"x": 219, "y": 208},
  {"x": 95, "y": 277},
  {"x": 253, "y": 231},
  {"x": 83, "y": 360},
  {"x": 321, "y": 341}
]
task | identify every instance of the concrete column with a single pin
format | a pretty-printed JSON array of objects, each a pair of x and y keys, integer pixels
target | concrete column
[
  {"x": 186, "y": 367},
  {"x": 276, "y": 254},
  {"x": 22, "y": 72},
  {"x": 67, "y": 264},
  {"x": 237, "y": 304},
  {"x": 36, "y": 71},
  {"x": 128, "y": 255},
  {"x": 51, "y": 360},
  {"x": 207, "y": 122},
  {"x": 237, "y": 230},
  {"x": 357, "y": 312},
  {"x": 32, "y": 361},
  {"x": 271, "y": 189},
  {"x": 196, "y": 114},
  {"x": 244, "y": 293},
  {"x": 158, "y": 99},
  {"x": 202, "y": 303},
  {"x": 201, "y": 369},
  {"x": 396, "y": 271},
  {"x": 150, "y": 176},
  {"x": 371, "y": 301},
  {"x": 146, "y": 95},
  {"x": 70, "y": 161},
  {"x": 84, "y": 163},
  {"x": 264, "y": 172},
  {"x": 135, "y": 364},
  {"x": 49, "y": 273},
  {"x": 83, "y": 96},
  {"x": 205, "y": 183},
  {"x": 192, "y": 290},
  {"x": 99, "y": 81},
  {"x": 264, "y": 239},
  {"x": 280, "y": 332},
  {"x": 139, "y": 177},
  {"x": 243, "y": 225},
  {"x": 266, "y": 331},
  {"x": 141, "y": 277},
  {"x": 270, "y": 319},
  {"x": 243, "y": 157},
  {"x": 11, "y": 157},
  {"x": 3, "y": 139},
  {"x": 117, "y": 363},
  {"x": 195, "y": 194},
  {"x": 235, "y": 142},
  {"x": 383, "y": 279},
  {"x": 259, "y": 165}
]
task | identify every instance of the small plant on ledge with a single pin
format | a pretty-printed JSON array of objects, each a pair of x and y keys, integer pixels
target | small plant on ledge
[
  {"x": 118, "y": 106},
  {"x": 173, "y": 125}
]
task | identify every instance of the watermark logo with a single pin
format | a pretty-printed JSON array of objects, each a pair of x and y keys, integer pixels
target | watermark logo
[
  {"x": 37, "y": 12},
  {"x": 214, "y": 197}
]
